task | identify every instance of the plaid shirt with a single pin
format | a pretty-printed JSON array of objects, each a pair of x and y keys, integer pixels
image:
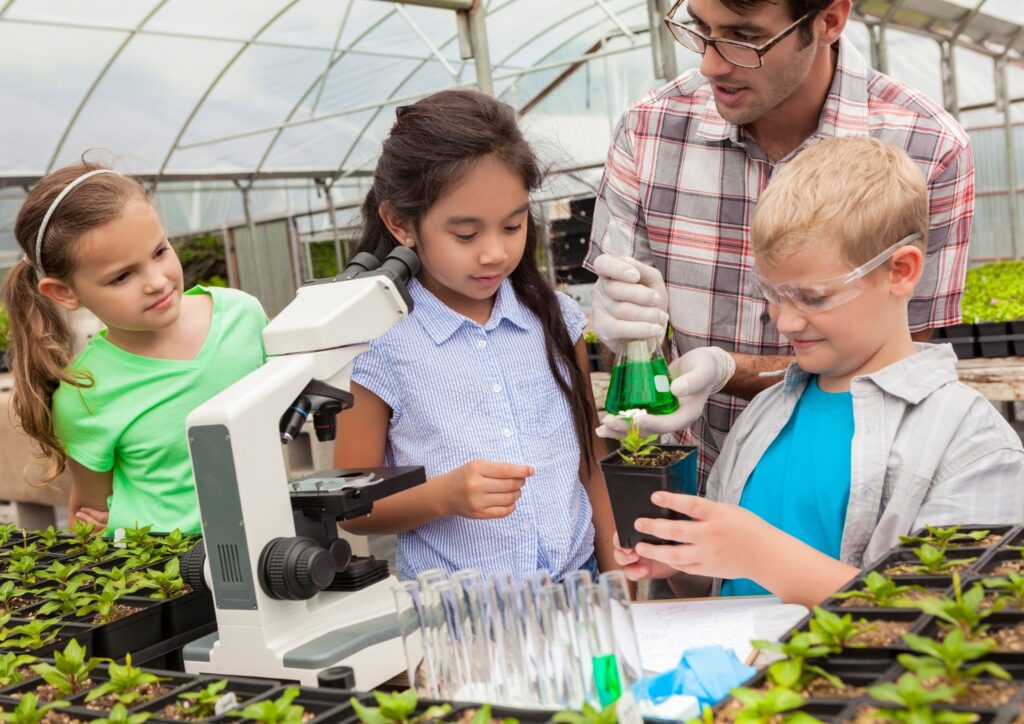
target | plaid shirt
[{"x": 686, "y": 181}]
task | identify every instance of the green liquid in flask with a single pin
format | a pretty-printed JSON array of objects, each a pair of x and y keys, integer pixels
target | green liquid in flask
[
  {"x": 641, "y": 386},
  {"x": 606, "y": 679}
]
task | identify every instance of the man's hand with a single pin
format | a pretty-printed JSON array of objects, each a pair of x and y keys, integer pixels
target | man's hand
[
  {"x": 721, "y": 540},
  {"x": 696, "y": 376},
  {"x": 629, "y": 301}
]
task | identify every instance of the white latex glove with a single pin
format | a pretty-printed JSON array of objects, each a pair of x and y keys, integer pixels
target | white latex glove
[
  {"x": 629, "y": 301},
  {"x": 696, "y": 376}
]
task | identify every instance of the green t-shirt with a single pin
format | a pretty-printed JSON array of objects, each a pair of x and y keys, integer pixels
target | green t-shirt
[{"x": 132, "y": 419}]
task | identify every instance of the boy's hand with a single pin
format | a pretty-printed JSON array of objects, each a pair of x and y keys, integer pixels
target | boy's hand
[
  {"x": 483, "y": 489},
  {"x": 636, "y": 567},
  {"x": 96, "y": 517},
  {"x": 722, "y": 540}
]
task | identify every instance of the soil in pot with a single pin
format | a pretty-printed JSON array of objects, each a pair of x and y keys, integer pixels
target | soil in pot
[
  {"x": 147, "y": 692},
  {"x": 879, "y": 634},
  {"x": 912, "y": 568},
  {"x": 857, "y": 602}
]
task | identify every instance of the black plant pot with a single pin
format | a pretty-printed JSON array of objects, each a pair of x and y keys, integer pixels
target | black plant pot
[
  {"x": 630, "y": 488},
  {"x": 245, "y": 690},
  {"x": 915, "y": 619},
  {"x": 1017, "y": 333},
  {"x": 131, "y": 633},
  {"x": 988, "y": 566},
  {"x": 80, "y": 632},
  {"x": 963, "y": 337},
  {"x": 994, "y": 622},
  {"x": 852, "y": 673},
  {"x": 186, "y": 613},
  {"x": 175, "y": 682},
  {"x": 939, "y": 584},
  {"x": 1000, "y": 530},
  {"x": 994, "y": 339}
]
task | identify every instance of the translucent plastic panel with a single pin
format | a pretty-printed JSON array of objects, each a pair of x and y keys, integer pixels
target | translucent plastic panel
[
  {"x": 310, "y": 22},
  {"x": 356, "y": 80},
  {"x": 514, "y": 29},
  {"x": 46, "y": 74},
  {"x": 362, "y": 18},
  {"x": 238, "y": 155},
  {"x": 260, "y": 89},
  {"x": 974, "y": 77},
  {"x": 10, "y": 202},
  {"x": 914, "y": 60},
  {"x": 187, "y": 209},
  {"x": 320, "y": 145},
  {"x": 395, "y": 33},
  {"x": 223, "y": 19},
  {"x": 118, "y": 13},
  {"x": 141, "y": 104}
]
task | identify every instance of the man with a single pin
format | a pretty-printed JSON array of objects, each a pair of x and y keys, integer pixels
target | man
[{"x": 688, "y": 162}]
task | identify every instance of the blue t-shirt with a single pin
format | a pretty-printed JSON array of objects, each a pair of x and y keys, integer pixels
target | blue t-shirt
[{"x": 802, "y": 483}]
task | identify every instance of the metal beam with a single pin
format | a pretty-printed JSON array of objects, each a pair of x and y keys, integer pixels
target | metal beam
[
  {"x": 481, "y": 51},
  {"x": 331, "y": 58},
  {"x": 947, "y": 63}
]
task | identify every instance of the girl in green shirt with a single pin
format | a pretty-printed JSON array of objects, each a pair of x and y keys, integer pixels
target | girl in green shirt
[{"x": 114, "y": 415}]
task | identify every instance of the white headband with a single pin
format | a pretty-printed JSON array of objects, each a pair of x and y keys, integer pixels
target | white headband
[{"x": 53, "y": 207}]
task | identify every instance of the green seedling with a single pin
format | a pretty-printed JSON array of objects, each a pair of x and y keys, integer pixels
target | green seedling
[
  {"x": 794, "y": 672},
  {"x": 398, "y": 707},
  {"x": 119, "y": 715},
  {"x": 115, "y": 576},
  {"x": 770, "y": 706},
  {"x": 917, "y": 700},
  {"x": 63, "y": 601},
  {"x": 28, "y": 550},
  {"x": 881, "y": 591},
  {"x": 994, "y": 292},
  {"x": 950, "y": 657},
  {"x": 10, "y": 594},
  {"x": 64, "y": 573},
  {"x": 22, "y": 570},
  {"x": 165, "y": 584},
  {"x": 834, "y": 631},
  {"x": 83, "y": 532},
  {"x": 33, "y": 635},
  {"x": 102, "y": 602},
  {"x": 12, "y": 667},
  {"x": 635, "y": 445},
  {"x": 961, "y": 612},
  {"x": 1010, "y": 590},
  {"x": 274, "y": 711},
  {"x": 49, "y": 538},
  {"x": 7, "y": 531},
  {"x": 202, "y": 704},
  {"x": 589, "y": 715},
  {"x": 70, "y": 669},
  {"x": 943, "y": 538},
  {"x": 138, "y": 537},
  {"x": 174, "y": 543},
  {"x": 30, "y": 710},
  {"x": 125, "y": 682},
  {"x": 95, "y": 551},
  {"x": 934, "y": 561}
]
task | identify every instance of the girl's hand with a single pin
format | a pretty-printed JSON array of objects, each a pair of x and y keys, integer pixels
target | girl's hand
[
  {"x": 721, "y": 540},
  {"x": 635, "y": 567},
  {"x": 97, "y": 517},
  {"x": 483, "y": 489}
]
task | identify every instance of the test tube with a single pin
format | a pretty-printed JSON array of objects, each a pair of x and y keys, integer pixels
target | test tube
[
  {"x": 534, "y": 659},
  {"x": 456, "y": 627},
  {"x": 508, "y": 633},
  {"x": 477, "y": 635},
  {"x": 606, "y": 671},
  {"x": 563, "y": 670},
  {"x": 413, "y": 628},
  {"x": 616, "y": 589}
]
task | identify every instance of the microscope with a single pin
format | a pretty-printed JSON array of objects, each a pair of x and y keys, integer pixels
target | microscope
[{"x": 291, "y": 601}]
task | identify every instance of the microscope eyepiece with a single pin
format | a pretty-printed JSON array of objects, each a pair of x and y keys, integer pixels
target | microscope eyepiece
[
  {"x": 400, "y": 265},
  {"x": 361, "y": 263}
]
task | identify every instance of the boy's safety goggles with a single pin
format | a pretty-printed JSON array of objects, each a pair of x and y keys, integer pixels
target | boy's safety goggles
[{"x": 829, "y": 293}]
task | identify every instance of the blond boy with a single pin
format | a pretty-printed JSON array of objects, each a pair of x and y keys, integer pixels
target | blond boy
[{"x": 869, "y": 435}]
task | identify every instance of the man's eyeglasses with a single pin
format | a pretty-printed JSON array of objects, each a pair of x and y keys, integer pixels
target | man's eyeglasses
[
  {"x": 735, "y": 52},
  {"x": 827, "y": 294}
]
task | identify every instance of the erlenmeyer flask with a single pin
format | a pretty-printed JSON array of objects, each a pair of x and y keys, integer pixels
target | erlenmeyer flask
[{"x": 640, "y": 380}]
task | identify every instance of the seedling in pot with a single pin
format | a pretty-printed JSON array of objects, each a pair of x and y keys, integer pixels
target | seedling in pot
[
  {"x": 949, "y": 658},
  {"x": 7, "y": 531},
  {"x": 881, "y": 591},
  {"x": 69, "y": 674},
  {"x": 1010, "y": 591},
  {"x": 165, "y": 584},
  {"x": 104, "y": 603},
  {"x": 11, "y": 596},
  {"x": 770, "y": 706},
  {"x": 115, "y": 576},
  {"x": 274, "y": 711},
  {"x": 202, "y": 704},
  {"x": 962, "y": 612},
  {"x": 27, "y": 550},
  {"x": 142, "y": 557},
  {"x": 22, "y": 570},
  {"x": 49, "y": 538},
  {"x": 793, "y": 672},
  {"x": 917, "y": 700},
  {"x": 933, "y": 562},
  {"x": 119, "y": 715},
  {"x": 33, "y": 635},
  {"x": 174, "y": 543},
  {"x": 64, "y": 601},
  {"x": 943, "y": 538},
  {"x": 83, "y": 532},
  {"x": 95, "y": 552},
  {"x": 64, "y": 573},
  {"x": 589, "y": 715},
  {"x": 30, "y": 710},
  {"x": 831, "y": 630},
  {"x": 13, "y": 667},
  {"x": 138, "y": 538},
  {"x": 126, "y": 683},
  {"x": 399, "y": 707}
]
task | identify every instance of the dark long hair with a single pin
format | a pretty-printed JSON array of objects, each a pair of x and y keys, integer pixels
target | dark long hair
[{"x": 431, "y": 146}]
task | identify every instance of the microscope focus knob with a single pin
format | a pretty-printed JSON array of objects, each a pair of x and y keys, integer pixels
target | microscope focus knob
[
  {"x": 192, "y": 563},
  {"x": 295, "y": 568}
]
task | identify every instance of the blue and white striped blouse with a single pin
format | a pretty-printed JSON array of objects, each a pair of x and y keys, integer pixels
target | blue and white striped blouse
[{"x": 460, "y": 391}]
